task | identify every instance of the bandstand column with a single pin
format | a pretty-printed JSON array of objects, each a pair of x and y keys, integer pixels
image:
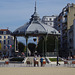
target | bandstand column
[
  {"x": 45, "y": 50},
  {"x": 26, "y": 46},
  {"x": 56, "y": 47},
  {"x": 15, "y": 43},
  {"x": 43, "y": 47}
]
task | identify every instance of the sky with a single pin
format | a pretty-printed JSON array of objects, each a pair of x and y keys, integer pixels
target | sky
[{"x": 15, "y": 13}]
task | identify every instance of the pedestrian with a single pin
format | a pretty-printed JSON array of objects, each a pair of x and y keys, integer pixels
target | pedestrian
[
  {"x": 41, "y": 61},
  {"x": 34, "y": 61},
  {"x": 58, "y": 61},
  {"x": 3, "y": 56}
]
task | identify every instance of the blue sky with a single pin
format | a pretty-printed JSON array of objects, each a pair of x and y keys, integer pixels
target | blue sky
[{"x": 14, "y": 13}]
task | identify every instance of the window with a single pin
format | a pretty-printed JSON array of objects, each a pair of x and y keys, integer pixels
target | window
[
  {"x": 0, "y": 37},
  {"x": 4, "y": 32},
  {"x": 8, "y": 47},
  {"x": 4, "y": 47},
  {"x": 8, "y": 37},
  {"x": 46, "y": 19},
  {"x": 4, "y": 41},
  {"x": 50, "y": 19},
  {"x": 4, "y": 37},
  {"x": 8, "y": 41},
  {"x": 0, "y": 41},
  {"x": 45, "y": 23},
  {"x": 50, "y": 23}
]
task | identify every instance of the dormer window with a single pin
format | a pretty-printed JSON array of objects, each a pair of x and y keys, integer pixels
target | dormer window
[{"x": 4, "y": 32}]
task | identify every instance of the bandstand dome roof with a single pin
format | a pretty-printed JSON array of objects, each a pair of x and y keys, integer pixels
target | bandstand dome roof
[{"x": 35, "y": 27}]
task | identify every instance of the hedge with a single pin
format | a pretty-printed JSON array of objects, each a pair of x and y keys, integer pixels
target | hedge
[
  {"x": 20, "y": 59},
  {"x": 54, "y": 59}
]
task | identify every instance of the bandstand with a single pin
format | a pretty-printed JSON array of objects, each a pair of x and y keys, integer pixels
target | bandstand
[{"x": 35, "y": 27}]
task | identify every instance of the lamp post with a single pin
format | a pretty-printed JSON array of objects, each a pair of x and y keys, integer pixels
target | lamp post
[{"x": 43, "y": 46}]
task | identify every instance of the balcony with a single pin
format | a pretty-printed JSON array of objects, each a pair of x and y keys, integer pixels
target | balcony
[
  {"x": 64, "y": 21},
  {"x": 65, "y": 14},
  {"x": 65, "y": 34},
  {"x": 64, "y": 28},
  {"x": 64, "y": 41},
  {"x": 64, "y": 25},
  {"x": 58, "y": 25}
]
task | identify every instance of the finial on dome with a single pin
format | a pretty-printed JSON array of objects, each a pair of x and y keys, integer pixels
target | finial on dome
[{"x": 35, "y": 6}]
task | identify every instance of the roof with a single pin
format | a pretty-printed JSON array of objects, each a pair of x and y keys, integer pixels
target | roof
[
  {"x": 50, "y": 16},
  {"x": 3, "y": 29},
  {"x": 35, "y": 27}
]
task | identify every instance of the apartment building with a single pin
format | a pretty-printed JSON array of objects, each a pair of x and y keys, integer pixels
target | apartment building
[
  {"x": 6, "y": 42},
  {"x": 49, "y": 20},
  {"x": 71, "y": 39},
  {"x": 65, "y": 21}
]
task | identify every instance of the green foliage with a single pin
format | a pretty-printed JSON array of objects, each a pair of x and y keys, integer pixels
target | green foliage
[
  {"x": 50, "y": 44},
  {"x": 40, "y": 46},
  {"x": 32, "y": 47},
  {"x": 25, "y": 49},
  {"x": 0, "y": 46},
  {"x": 21, "y": 47}
]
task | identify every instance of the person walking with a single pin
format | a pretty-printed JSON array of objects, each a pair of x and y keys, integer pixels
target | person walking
[{"x": 57, "y": 61}]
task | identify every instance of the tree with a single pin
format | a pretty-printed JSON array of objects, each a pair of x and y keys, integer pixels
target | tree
[
  {"x": 40, "y": 46},
  {"x": 0, "y": 46},
  {"x": 50, "y": 44},
  {"x": 32, "y": 47},
  {"x": 21, "y": 47}
]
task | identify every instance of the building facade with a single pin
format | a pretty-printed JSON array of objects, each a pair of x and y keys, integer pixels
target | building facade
[
  {"x": 71, "y": 39},
  {"x": 65, "y": 21},
  {"x": 49, "y": 20},
  {"x": 6, "y": 42}
]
